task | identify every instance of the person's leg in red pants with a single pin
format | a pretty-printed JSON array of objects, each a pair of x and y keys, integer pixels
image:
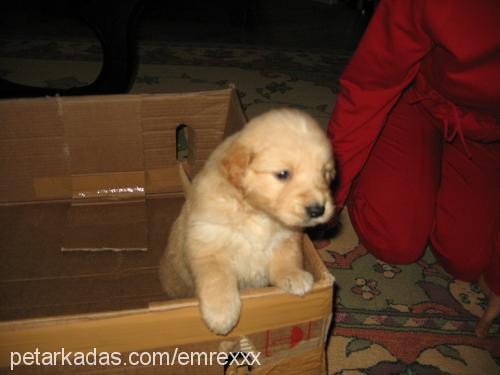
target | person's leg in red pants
[
  {"x": 466, "y": 231},
  {"x": 404, "y": 196},
  {"x": 392, "y": 201}
]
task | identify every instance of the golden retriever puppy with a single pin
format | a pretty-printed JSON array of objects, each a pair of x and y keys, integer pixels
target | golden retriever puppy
[{"x": 241, "y": 225}]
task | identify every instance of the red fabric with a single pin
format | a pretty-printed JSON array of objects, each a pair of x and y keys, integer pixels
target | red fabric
[
  {"x": 445, "y": 56},
  {"x": 466, "y": 227},
  {"x": 415, "y": 187},
  {"x": 454, "y": 45},
  {"x": 393, "y": 200}
]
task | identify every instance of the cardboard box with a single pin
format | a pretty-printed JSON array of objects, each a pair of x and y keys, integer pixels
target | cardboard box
[{"x": 101, "y": 173}]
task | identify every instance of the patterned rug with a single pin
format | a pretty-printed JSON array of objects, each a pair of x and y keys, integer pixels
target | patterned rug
[
  {"x": 265, "y": 78},
  {"x": 411, "y": 319},
  {"x": 389, "y": 319}
]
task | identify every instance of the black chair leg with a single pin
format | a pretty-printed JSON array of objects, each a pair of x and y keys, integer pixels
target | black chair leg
[{"x": 114, "y": 22}]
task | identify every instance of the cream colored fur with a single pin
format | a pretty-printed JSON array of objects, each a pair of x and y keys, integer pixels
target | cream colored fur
[{"x": 242, "y": 223}]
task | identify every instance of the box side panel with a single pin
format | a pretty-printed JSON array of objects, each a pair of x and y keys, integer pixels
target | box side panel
[
  {"x": 108, "y": 187},
  {"x": 300, "y": 353},
  {"x": 38, "y": 280},
  {"x": 33, "y": 152},
  {"x": 147, "y": 330},
  {"x": 113, "y": 227},
  {"x": 119, "y": 370},
  {"x": 205, "y": 116},
  {"x": 44, "y": 142},
  {"x": 104, "y": 134},
  {"x": 309, "y": 363},
  {"x": 314, "y": 264}
]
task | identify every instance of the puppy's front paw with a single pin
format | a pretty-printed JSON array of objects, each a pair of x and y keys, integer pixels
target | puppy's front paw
[
  {"x": 296, "y": 282},
  {"x": 221, "y": 313}
]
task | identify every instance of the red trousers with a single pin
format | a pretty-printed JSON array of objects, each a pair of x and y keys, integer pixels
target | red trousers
[{"x": 417, "y": 188}]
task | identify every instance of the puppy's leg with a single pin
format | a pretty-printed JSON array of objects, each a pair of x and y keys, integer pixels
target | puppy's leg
[
  {"x": 217, "y": 290},
  {"x": 286, "y": 269},
  {"x": 174, "y": 273}
]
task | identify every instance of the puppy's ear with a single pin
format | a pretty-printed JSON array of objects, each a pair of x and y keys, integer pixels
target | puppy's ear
[{"x": 235, "y": 162}]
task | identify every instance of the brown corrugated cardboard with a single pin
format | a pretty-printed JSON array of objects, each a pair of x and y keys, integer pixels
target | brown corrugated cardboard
[
  {"x": 113, "y": 226},
  {"x": 141, "y": 137},
  {"x": 53, "y": 193}
]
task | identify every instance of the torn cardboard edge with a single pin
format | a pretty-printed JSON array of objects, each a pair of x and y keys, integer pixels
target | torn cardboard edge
[
  {"x": 102, "y": 223},
  {"x": 95, "y": 249}
]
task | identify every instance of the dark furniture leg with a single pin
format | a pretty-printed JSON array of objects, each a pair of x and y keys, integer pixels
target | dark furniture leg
[{"x": 114, "y": 22}]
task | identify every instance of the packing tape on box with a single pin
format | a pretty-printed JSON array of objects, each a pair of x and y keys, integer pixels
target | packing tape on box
[
  {"x": 97, "y": 187},
  {"x": 109, "y": 186}
]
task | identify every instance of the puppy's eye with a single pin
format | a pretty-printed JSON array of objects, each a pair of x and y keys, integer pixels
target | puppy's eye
[{"x": 283, "y": 175}]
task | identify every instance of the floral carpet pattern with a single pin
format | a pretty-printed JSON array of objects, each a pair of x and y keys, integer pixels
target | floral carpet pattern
[
  {"x": 389, "y": 319},
  {"x": 411, "y": 319}
]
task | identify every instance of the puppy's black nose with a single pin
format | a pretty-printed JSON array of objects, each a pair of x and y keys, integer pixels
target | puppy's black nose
[{"x": 315, "y": 210}]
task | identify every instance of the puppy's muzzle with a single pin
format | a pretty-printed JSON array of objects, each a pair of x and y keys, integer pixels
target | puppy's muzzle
[{"x": 315, "y": 210}]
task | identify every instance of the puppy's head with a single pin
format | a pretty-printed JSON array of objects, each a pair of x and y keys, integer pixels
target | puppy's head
[{"x": 282, "y": 163}]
